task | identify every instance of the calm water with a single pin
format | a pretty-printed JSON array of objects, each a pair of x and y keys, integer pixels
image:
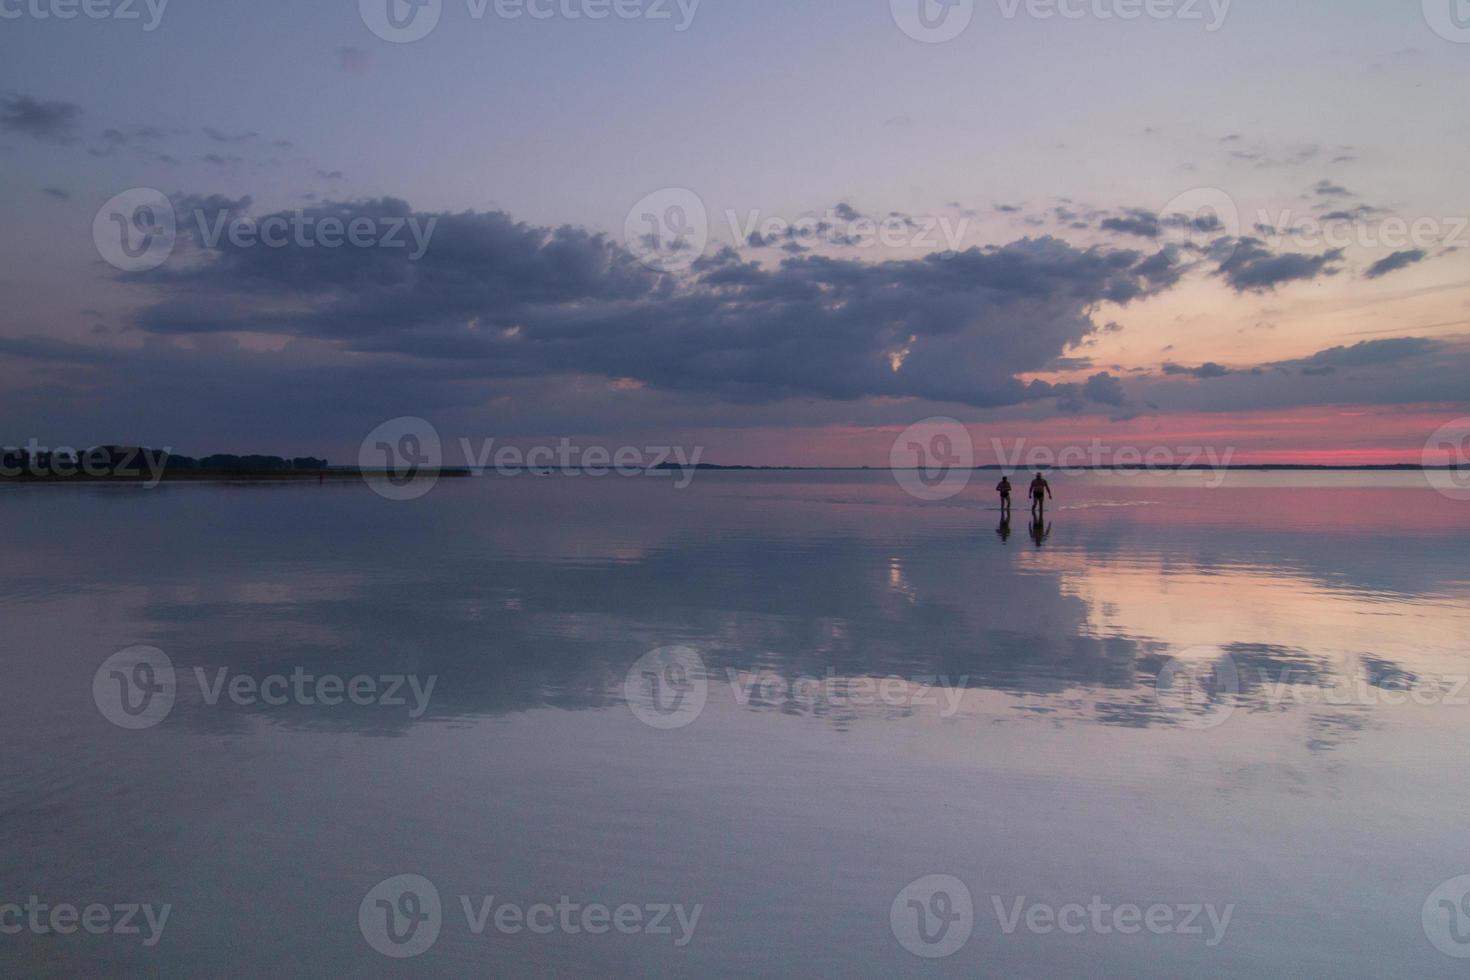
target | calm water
[{"x": 1302, "y": 768}]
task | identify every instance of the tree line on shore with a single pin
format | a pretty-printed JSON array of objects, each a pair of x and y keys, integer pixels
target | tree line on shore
[{"x": 136, "y": 462}]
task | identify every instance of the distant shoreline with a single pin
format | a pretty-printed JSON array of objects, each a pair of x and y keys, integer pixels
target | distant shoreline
[
  {"x": 230, "y": 476},
  {"x": 1141, "y": 468},
  {"x": 344, "y": 474}
]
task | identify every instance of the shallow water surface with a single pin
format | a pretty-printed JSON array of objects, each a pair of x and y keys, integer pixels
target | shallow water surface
[{"x": 739, "y": 728}]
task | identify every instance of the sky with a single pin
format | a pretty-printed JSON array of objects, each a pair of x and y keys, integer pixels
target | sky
[{"x": 781, "y": 232}]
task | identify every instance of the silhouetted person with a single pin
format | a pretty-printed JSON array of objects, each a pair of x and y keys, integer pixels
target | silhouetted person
[
  {"x": 1040, "y": 531},
  {"x": 1004, "y": 489},
  {"x": 1005, "y": 526},
  {"x": 1040, "y": 493}
]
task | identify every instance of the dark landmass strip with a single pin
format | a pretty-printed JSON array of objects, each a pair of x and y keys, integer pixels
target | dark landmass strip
[
  {"x": 1000, "y": 467},
  {"x": 143, "y": 464}
]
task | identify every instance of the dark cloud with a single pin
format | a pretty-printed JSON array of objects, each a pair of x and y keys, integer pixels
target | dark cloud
[
  {"x": 57, "y": 193},
  {"x": 1326, "y": 188},
  {"x": 1205, "y": 222},
  {"x": 49, "y": 349},
  {"x": 1144, "y": 223},
  {"x": 1100, "y": 389},
  {"x": 1395, "y": 262},
  {"x": 1205, "y": 371},
  {"x": 113, "y": 139},
  {"x": 1391, "y": 371},
  {"x": 1366, "y": 354},
  {"x": 1252, "y": 267},
  {"x": 504, "y": 299},
  {"x": 1359, "y": 213},
  {"x": 1105, "y": 390},
  {"x": 1264, "y": 156},
  {"x": 51, "y": 121},
  {"x": 220, "y": 136},
  {"x": 1160, "y": 269}
]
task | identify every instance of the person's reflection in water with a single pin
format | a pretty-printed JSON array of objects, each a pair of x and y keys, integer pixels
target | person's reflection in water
[
  {"x": 1005, "y": 527},
  {"x": 1040, "y": 531}
]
